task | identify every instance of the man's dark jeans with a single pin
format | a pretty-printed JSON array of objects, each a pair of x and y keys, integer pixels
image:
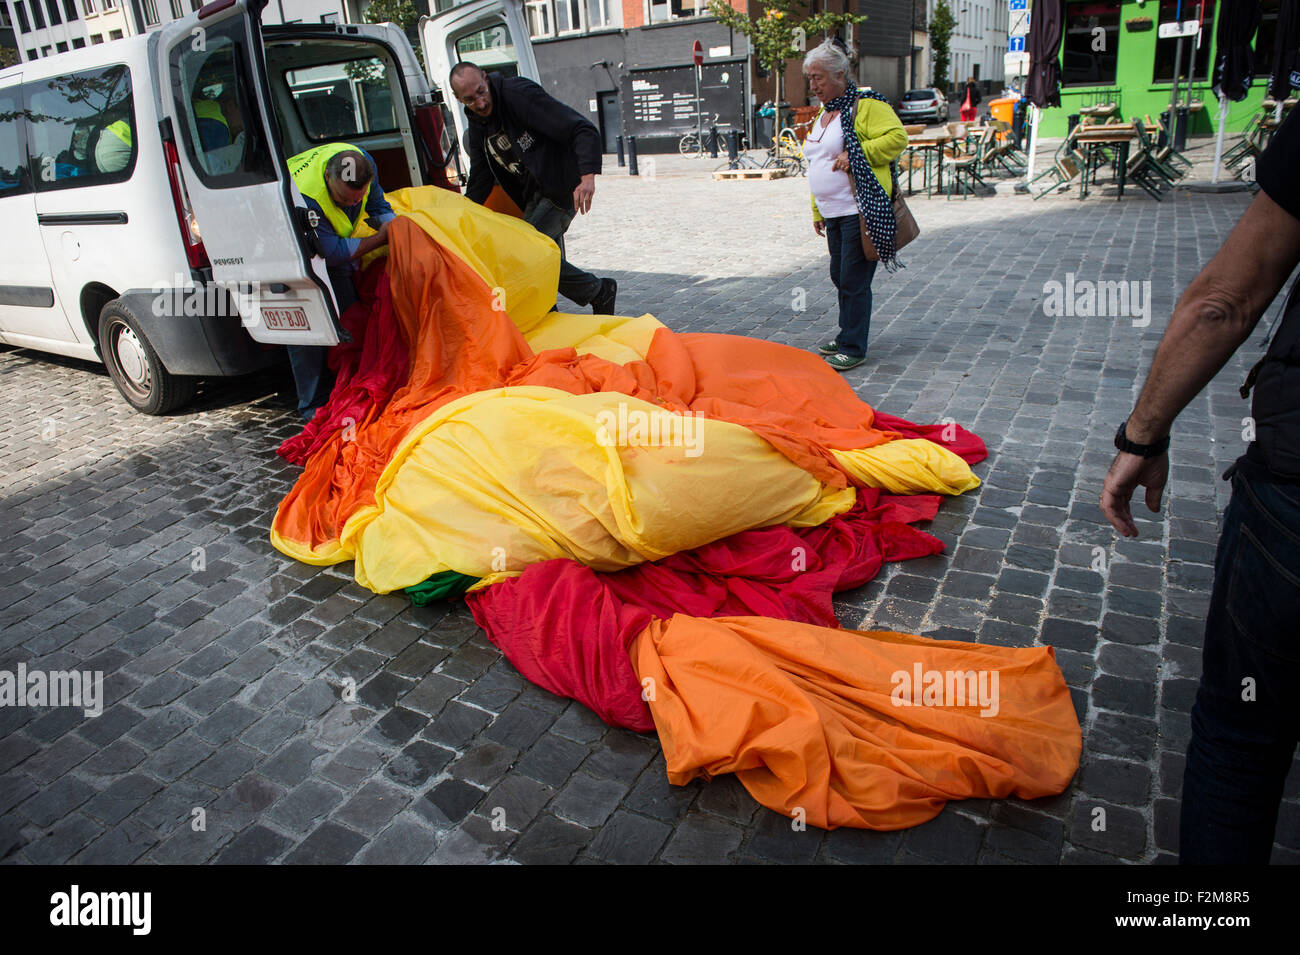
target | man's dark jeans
[
  {"x": 550, "y": 220},
  {"x": 310, "y": 363},
  {"x": 852, "y": 275},
  {"x": 1245, "y": 720}
]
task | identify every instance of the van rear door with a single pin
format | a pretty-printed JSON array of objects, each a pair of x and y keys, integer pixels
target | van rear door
[
  {"x": 491, "y": 33},
  {"x": 241, "y": 202}
]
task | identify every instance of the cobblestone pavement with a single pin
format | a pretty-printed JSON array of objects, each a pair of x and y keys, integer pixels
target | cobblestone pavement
[{"x": 138, "y": 546}]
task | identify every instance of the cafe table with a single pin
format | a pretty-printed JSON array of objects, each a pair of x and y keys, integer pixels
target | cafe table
[
  {"x": 927, "y": 143},
  {"x": 1092, "y": 139}
]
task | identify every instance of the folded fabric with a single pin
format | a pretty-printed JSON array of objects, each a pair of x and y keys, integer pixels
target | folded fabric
[{"x": 869, "y": 729}]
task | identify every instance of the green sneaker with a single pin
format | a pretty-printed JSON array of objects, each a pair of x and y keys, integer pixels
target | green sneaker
[
  {"x": 829, "y": 348},
  {"x": 842, "y": 362}
]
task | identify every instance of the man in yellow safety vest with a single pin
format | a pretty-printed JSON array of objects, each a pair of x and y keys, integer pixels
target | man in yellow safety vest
[{"x": 338, "y": 181}]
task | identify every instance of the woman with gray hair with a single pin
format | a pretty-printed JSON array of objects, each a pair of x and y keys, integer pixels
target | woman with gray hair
[{"x": 854, "y": 138}]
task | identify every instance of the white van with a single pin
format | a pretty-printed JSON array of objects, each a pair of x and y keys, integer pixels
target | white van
[{"x": 149, "y": 218}]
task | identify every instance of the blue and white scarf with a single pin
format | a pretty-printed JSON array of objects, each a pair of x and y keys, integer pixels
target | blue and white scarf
[{"x": 874, "y": 203}]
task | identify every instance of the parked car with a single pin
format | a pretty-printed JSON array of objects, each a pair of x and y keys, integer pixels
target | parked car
[
  {"x": 924, "y": 104},
  {"x": 132, "y": 235}
]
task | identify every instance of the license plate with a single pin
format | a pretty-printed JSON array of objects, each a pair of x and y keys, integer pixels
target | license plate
[{"x": 286, "y": 319}]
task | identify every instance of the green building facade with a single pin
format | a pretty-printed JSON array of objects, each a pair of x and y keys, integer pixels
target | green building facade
[{"x": 1111, "y": 51}]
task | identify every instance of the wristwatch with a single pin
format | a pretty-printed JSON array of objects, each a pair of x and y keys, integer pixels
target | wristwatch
[{"x": 1141, "y": 450}]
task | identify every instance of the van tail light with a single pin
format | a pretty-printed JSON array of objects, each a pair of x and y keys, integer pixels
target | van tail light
[{"x": 194, "y": 251}]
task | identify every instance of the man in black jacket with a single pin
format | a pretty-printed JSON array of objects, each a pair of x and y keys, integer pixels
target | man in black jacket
[{"x": 543, "y": 154}]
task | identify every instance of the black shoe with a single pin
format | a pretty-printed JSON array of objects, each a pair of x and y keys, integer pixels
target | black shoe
[{"x": 603, "y": 303}]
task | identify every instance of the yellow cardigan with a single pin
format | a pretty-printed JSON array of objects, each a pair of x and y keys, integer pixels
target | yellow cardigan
[{"x": 882, "y": 137}]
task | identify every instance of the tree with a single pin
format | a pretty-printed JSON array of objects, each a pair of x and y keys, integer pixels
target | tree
[
  {"x": 778, "y": 35},
  {"x": 941, "y": 26},
  {"x": 400, "y": 12}
]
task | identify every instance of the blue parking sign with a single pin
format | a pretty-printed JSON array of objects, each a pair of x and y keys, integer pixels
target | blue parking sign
[
  {"x": 1015, "y": 44},
  {"x": 1019, "y": 4}
]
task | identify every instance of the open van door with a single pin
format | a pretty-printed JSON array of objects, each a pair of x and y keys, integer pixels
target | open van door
[
  {"x": 491, "y": 33},
  {"x": 237, "y": 202}
]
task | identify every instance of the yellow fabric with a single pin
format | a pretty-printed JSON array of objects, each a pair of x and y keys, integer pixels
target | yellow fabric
[
  {"x": 121, "y": 129},
  {"x": 501, "y": 479},
  {"x": 308, "y": 172},
  {"x": 909, "y": 466},
  {"x": 619, "y": 340},
  {"x": 883, "y": 140}
]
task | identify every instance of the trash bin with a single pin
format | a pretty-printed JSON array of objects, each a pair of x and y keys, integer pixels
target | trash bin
[
  {"x": 1071, "y": 121},
  {"x": 1003, "y": 109}
]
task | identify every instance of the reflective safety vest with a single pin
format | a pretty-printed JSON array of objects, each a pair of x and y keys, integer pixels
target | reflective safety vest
[
  {"x": 308, "y": 172},
  {"x": 121, "y": 129}
]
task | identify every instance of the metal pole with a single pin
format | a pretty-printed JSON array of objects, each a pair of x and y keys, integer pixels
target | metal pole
[
  {"x": 1033, "y": 141},
  {"x": 631, "y": 157},
  {"x": 621, "y": 162},
  {"x": 699, "y": 116},
  {"x": 1218, "y": 140}
]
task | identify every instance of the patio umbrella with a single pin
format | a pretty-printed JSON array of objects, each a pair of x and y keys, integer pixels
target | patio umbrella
[
  {"x": 1234, "y": 64},
  {"x": 1043, "y": 84},
  {"x": 1284, "y": 49}
]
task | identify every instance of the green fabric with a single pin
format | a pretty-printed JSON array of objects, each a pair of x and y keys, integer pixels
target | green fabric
[{"x": 442, "y": 586}]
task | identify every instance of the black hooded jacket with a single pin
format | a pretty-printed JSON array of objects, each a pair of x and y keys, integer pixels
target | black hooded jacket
[{"x": 553, "y": 146}]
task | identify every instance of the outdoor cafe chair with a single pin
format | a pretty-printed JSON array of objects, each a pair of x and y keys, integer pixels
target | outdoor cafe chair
[{"x": 1066, "y": 165}]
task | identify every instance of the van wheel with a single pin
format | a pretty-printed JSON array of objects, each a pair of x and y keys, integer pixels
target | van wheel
[{"x": 134, "y": 365}]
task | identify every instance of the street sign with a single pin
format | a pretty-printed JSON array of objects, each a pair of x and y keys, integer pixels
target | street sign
[
  {"x": 697, "y": 53},
  {"x": 1019, "y": 23},
  {"x": 1019, "y": 5},
  {"x": 1015, "y": 64},
  {"x": 1016, "y": 44},
  {"x": 1187, "y": 28}
]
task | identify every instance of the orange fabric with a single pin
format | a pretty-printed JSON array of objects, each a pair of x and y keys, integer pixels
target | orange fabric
[
  {"x": 460, "y": 344},
  {"x": 805, "y": 717}
]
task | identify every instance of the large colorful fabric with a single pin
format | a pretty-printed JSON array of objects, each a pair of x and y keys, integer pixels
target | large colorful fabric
[
  {"x": 654, "y": 524},
  {"x": 513, "y": 399}
]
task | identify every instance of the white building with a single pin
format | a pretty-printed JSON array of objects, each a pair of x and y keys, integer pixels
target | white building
[
  {"x": 45, "y": 27},
  {"x": 978, "y": 42}
]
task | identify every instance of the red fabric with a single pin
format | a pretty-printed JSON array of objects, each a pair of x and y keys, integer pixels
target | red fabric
[
  {"x": 567, "y": 628},
  {"x": 367, "y": 369},
  {"x": 967, "y": 446}
]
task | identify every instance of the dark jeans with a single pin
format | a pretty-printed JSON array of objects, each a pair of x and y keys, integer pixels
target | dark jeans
[
  {"x": 550, "y": 220},
  {"x": 852, "y": 275},
  {"x": 311, "y": 375},
  {"x": 1244, "y": 721}
]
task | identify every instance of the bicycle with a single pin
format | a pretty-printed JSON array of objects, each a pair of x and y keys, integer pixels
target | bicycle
[
  {"x": 787, "y": 151},
  {"x": 692, "y": 145}
]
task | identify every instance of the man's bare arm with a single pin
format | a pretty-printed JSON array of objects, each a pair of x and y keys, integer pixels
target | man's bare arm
[{"x": 1216, "y": 314}]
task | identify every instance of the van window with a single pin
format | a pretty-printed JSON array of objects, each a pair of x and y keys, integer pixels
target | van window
[
  {"x": 343, "y": 100},
  {"x": 14, "y": 178},
  {"x": 82, "y": 129},
  {"x": 491, "y": 48},
  {"x": 213, "y": 96}
]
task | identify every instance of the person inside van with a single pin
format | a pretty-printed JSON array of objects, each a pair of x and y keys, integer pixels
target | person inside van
[
  {"x": 337, "y": 181},
  {"x": 113, "y": 148}
]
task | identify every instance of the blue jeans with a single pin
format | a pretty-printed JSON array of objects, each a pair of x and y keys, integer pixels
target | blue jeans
[
  {"x": 1244, "y": 721},
  {"x": 852, "y": 275},
  {"x": 311, "y": 375},
  {"x": 552, "y": 221}
]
